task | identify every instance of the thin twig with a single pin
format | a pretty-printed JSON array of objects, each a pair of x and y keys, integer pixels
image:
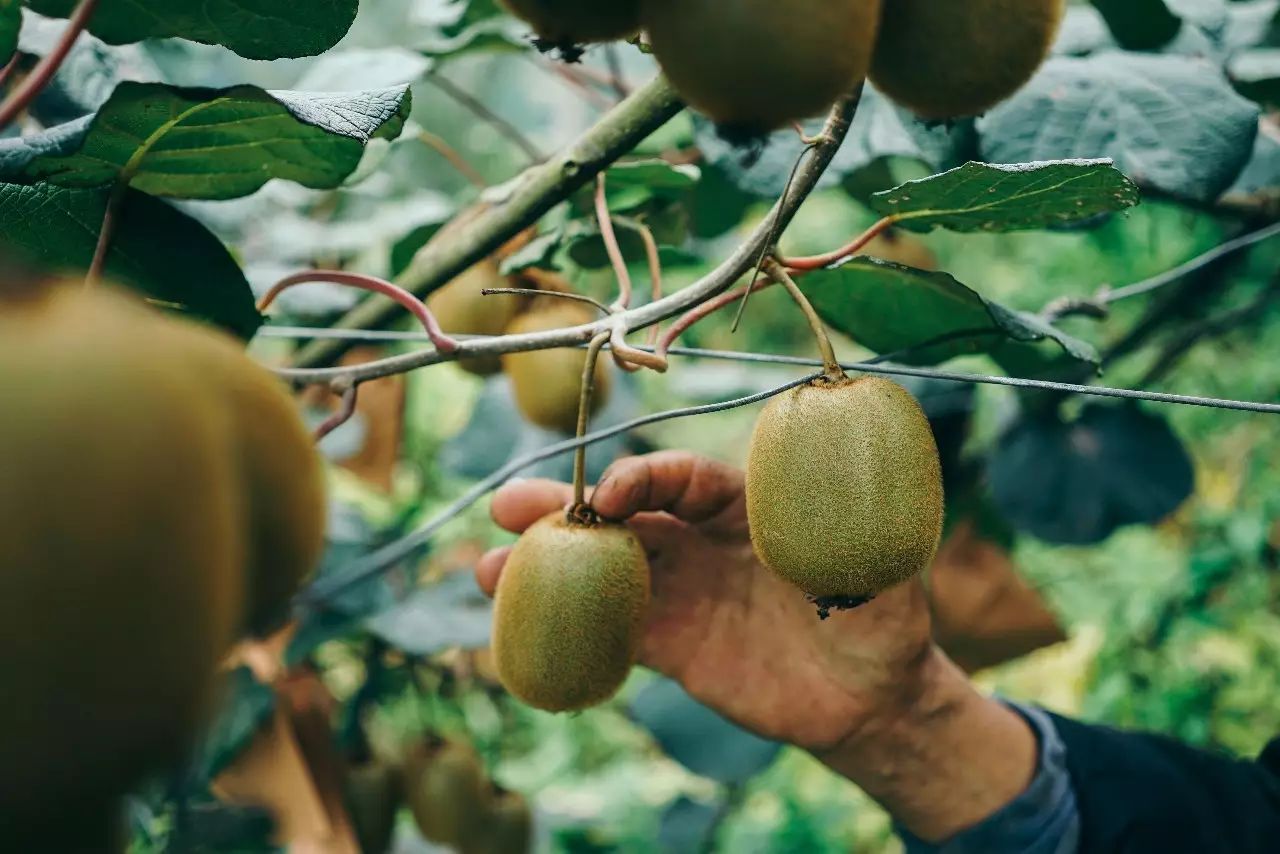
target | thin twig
[
  {"x": 535, "y": 292},
  {"x": 456, "y": 160},
  {"x": 10, "y": 67},
  {"x": 106, "y": 232},
  {"x": 486, "y": 115},
  {"x": 585, "y": 397},
  {"x": 611, "y": 247},
  {"x": 574, "y": 78},
  {"x": 443, "y": 343},
  {"x": 830, "y": 364},
  {"x": 1170, "y": 276},
  {"x": 654, "y": 259},
  {"x": 617, "y": 81},
  {"x": 20, "y": 98},
  {"x": 708, "y": 308},
  {"x": 347, "y": 409}
]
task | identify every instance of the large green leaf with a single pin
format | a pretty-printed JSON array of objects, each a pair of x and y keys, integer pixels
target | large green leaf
[
  {"x": 890, "y": 308},
  {"x": 209, "y": 143},
  {"x": 157, "y": 249},
  {"x": 1172, "y": 123},
  {"x": 256, "y": 29},
  {"x": 987, "y": 197},
  {"x": 10, "y": 25}
]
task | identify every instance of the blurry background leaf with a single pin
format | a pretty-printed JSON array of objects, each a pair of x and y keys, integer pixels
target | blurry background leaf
[
  {"x": 245, "y": 704},
  {"x": 698, "y": 738},
  {"x": 1078, "y": 481},
  {"x": 686, "y": 825},
  {"x": 1140, "y": 24},
  {"x": 452, "y": 613}
]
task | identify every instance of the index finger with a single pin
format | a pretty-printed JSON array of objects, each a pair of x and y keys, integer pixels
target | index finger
[{"x": 694, "y": 489}]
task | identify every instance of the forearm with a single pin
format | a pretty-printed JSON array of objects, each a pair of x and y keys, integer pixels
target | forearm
[{"x": 945, "y": 758}]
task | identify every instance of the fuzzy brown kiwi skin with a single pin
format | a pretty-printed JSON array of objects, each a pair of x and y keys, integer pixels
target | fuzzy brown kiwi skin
[
  {"x": 844, "y": 488},
  {"x": 945, "y": 59},
  {"x": 547, "y": 383},
  {"x": 569, "y": 612},
  {"x": 447, "y": 791},
  {"x": 754, "y": 65},
  {"x": 121, "y": 552},
  {"x": 564, "y": 23}
]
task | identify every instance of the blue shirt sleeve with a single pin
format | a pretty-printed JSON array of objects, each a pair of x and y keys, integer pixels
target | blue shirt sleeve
[{"x": 1042, "y": 820}]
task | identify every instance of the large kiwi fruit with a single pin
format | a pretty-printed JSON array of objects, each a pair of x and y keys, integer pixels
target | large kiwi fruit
[
  {"x": 122, "y": 547},
  {"x": 563, "y": 23},
  {"x": 844, "y": 488},
  {"x": 945, "y": 59},
  {"x": 569, "y": 612},
  {"x": 754, "y": 65},
  {"x": 508, "y": 828},
  {"x": 547, "y": 383},
  {"x": 448, "y": 792},
  {"x": 372, "y": 794}
]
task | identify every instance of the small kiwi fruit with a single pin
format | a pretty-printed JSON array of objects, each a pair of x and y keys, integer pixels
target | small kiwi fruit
[
  {"x": 945, "y": 59},
  {"x": 754, "y": 65},
  {"x": 508, "y": 828},
  {"x": 547, "y": 383},
  {"x": 564, "y": 23},
  {"x": 844, "y": 488},
  {"x": 462, "y": 309},
  {"x": 448, "y": 792},
  {"x": 901, "y": 248},
  {"x": 372, "y": 791},
  {"x": 569, "y": 612}
]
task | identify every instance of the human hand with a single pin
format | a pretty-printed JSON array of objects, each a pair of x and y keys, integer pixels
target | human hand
[{"x": 737, "y": 637}]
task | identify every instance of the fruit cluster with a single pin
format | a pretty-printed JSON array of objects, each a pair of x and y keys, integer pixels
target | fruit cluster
[
  {"x": 160, "y": 498},
  {"x": 755, "y": 65}
]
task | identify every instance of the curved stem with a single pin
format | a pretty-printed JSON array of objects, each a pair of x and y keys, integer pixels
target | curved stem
[
  {"x": 343, "y": 415},
  {"x": 584, "y": 417},
  {"x": 10, "y": 67},
  {"x": 818, "y": 262},
  {"x": 830, "y": 364},
  {"x": 629, "y": 357},
  {"x": 19, "y": 99},
  {"x": 705, "y": 310},
  {"x": 654, "y": 259},
  {"x": 443, "y": 343},
  {"x": 611, "y": 246},
  {"x": 105, "y": 233}
]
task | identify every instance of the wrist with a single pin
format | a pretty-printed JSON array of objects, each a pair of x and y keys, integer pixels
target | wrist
[{"x": 940, "y": 756}]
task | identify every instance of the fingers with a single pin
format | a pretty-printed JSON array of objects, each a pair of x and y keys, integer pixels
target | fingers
[
  {"x": 691, "y": 488},
  {"x": 518, "y": 505},
  {"x": 489, "y": 568}
]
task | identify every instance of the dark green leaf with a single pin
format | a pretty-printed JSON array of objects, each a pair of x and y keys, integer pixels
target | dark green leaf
[
  {"x": 245, "y": 705},
  {"x": 10, "y": 25},
  {"x": 986, "y": 197},
  {"x": 256, "y": 29},
  {"x": 1256, "y": 74},
  {"x": 157, "y": 249},
  {"x": 698, "y": 738},
  {"x": 1077, "y": 482},
  {"x": 1173, "y": 123},
  {"x": 451, "y": 613},
  {"x": 635, "y": 184},
  {"x": 887, "y": 308},
  {"x": 1140, "y": 24},
  {"x": 481, "y": 25},
  {"x": 209, "y": 143}
]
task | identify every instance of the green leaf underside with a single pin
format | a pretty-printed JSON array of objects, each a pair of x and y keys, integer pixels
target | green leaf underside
[
  {"x": 887, "y": 307},
  {"x": 255, "y": 29},
  {"x": 210, "y": 143},
  {"x": 998, "y": 198},
  {"x": 157, "y": 249}
]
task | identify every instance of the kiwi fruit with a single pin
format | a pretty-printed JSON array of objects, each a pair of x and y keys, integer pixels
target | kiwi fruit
[
  {"x": 945, "y": 59},
  {"x": 372, "y": 792},
  {"x": 462, "y": 309},
  {"x": 448, "y": 792},
  {"x": 563, "y": 23},
  {"x": 844, "y": 488},
  {"x": 754, "y": 65},
  {"x": 122, "y": 547},
  {"x": 569, "y": 611},
  {"x": 508, "y": 828},
  {"x": 547, "y": 383}
]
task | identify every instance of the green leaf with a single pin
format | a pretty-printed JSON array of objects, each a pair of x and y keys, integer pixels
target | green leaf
[
  {"x": 635, "y": 184},
  {"x": 10, "y": 25},
  {"x": 988, "y": 197},
  {"x": 157, "y": 250},
  {"x": 481, "y": 26},
  {"x": 1173, "y": 123},
  {"x": 246, "y": 704},
  {"x": 1139, "y": 24},
  {"x": 255, "y": 29},
  {"x": 209, "y": 143},
  {"x": 888, "y": 308}
]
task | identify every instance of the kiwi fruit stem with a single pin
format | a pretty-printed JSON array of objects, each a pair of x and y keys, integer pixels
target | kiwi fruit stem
[
  {"x": 830, "y": 364},
  {"x": 584, "y": 417}
]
